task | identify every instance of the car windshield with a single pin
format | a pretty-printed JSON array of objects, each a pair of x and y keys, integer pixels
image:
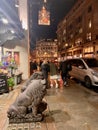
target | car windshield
[{"x": 91, "y": 62}]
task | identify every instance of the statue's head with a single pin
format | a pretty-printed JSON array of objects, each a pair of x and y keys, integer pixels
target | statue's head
[
  {"x": 43, "y": 82},
  {"x": 38, "y": 75}
]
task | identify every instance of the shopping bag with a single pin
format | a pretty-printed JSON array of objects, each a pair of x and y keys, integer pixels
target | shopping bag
[{"x": 60, "y": 83}]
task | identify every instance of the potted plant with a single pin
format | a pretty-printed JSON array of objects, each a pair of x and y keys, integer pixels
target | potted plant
[{"x": 10, "y": 83}]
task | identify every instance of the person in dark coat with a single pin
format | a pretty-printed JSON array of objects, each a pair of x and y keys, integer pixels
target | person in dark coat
[
  {"x": 45, "y": 68},
  {"x": 33, "y": 67},
  {"x": 65, "y": 67}
]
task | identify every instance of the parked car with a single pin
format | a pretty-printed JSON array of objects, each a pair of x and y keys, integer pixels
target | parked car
[{"x": 85, "y": 70}]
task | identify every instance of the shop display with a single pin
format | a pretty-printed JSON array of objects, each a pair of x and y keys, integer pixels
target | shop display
[
  {"x": 3, "y": 83},
  {"x": 9, "y": 68}
]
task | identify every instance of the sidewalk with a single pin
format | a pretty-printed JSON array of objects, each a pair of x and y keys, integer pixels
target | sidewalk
[
  {"x": 73, "y": 108},
  {"x": 5, "y": 100},
  {"x": 70, "y": 108}
]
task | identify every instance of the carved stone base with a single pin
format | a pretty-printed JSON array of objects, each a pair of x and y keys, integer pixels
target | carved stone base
[{"x": 27, "y": 119}]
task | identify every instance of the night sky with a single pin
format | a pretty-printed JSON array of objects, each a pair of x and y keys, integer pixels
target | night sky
[{"x": 58, "y": 9}]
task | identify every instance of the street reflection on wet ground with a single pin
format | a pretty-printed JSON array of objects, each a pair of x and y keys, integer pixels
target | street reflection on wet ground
[
  {"x": 92, "y": 88},
  {"x": 74, "y": 107}
]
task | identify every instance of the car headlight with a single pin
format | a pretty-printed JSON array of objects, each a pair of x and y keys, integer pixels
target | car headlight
[{"x": 94, "y": 73}]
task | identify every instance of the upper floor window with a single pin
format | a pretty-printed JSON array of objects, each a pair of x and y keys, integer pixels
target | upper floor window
[
  {"x": 96, "y": 36},
  {"x": 64, "y": 32},
  {"x": 89, "y": 9},
  {"x": 78, "y": 41},
  {"x": 71, "y": 36},
  {"x": 90, "y": 23},
  {"x": 80, "y": 30},
  {"x": 88, "y": 37},
  {"x": 76, "y": 32},
  {"x": 79, "y": 19},
  {"x": 64, "y": 38},
  {"x": 70, "y": 27}
]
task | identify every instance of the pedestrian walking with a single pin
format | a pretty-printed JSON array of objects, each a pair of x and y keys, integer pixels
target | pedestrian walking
[
  {"x": 65, "y": 67},
  {"x": 34, "y": 66},
  {"x": 53, "y": 74},
  {"x": 45, "y": 68}
]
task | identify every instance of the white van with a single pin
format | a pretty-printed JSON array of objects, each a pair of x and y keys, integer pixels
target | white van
[{"x": 85, "y": 69}]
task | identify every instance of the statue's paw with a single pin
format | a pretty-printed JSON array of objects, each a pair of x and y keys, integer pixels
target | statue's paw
[
  {"x": 38, "y": 115},
  {"x": 28, "y": 116}
]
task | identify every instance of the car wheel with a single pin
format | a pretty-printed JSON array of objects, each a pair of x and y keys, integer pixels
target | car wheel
[{"x": 88, "y": 82}]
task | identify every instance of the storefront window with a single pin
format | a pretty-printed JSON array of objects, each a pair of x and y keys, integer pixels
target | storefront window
[
  {"x": 17, "y": 58},
  {"x": 9, "y": 56}
]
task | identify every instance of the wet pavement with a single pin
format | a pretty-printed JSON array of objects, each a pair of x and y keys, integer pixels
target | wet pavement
[
  {"x": 74, "y": 108},
  {"x": 69, "y": 108}
]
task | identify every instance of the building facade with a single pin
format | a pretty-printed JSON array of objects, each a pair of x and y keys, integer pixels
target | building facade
[
  {"x": 77, "y": 33},
  {"x": 46, "y": 49}
]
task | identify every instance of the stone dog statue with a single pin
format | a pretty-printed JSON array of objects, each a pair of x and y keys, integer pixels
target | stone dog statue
[{"x": 32, "y": 97}]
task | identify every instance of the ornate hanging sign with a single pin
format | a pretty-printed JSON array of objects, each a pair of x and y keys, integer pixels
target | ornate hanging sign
[{"x": 44, "y": 17}]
